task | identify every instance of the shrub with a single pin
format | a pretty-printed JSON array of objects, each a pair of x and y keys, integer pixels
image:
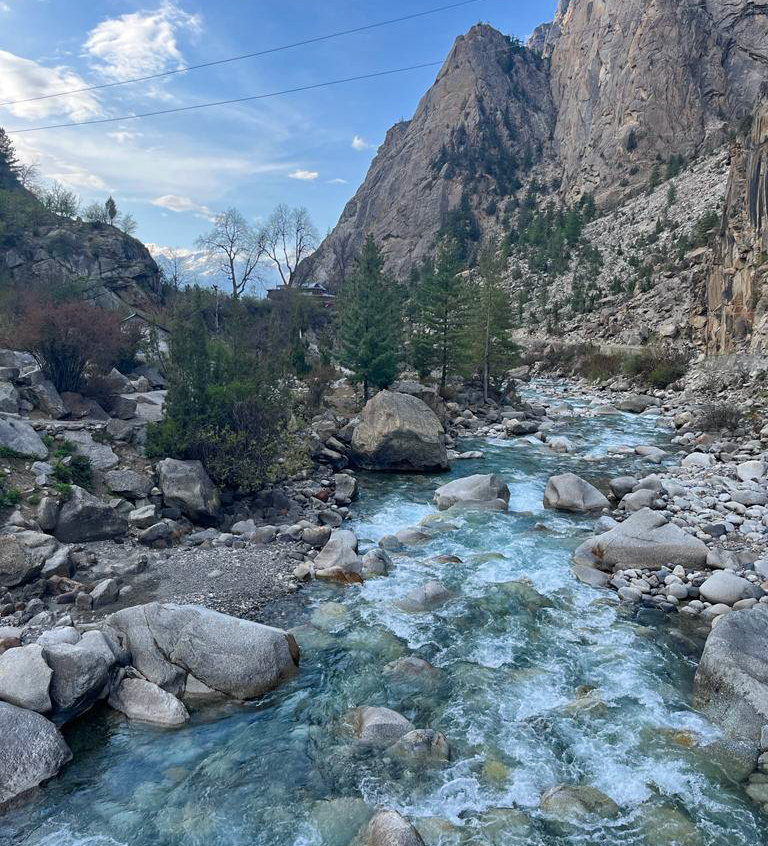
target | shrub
[
  {"x": 717, "y": 416},
  {"x": 66, "y": 338},
  {"x": 657, "y": 366},
  {"x": 78, "y": 472},
  {"x": 9, "y": 496},
  {"x": 598, "y": 366}
]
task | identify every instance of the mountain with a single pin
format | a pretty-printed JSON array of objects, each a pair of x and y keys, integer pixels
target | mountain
[{"x": 614, "y": 101}]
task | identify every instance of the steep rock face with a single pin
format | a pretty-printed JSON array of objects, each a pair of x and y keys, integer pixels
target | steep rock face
[
  {"x": 635, "y": 81},
  {"x": 489, "y": 107},
  {"x": 737, "y": 288}
]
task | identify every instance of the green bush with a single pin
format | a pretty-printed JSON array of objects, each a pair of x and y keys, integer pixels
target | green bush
[
  {"x": 9, "y": 496},
  {"x": 657, "y": 366},
  {"x": 78, "y": 472}
]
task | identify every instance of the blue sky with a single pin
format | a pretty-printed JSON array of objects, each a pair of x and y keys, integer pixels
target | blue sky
[{"x": 173, "y": 173}]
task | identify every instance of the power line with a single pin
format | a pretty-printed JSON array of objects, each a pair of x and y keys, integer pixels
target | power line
[
  {"x": 267, "y": 52},
  {"x": 227, "y": 102}
]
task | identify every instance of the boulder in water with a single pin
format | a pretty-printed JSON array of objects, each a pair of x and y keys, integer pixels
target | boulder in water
[
  {"x": 569, "y": 492},
  {"x": 145, "y": 702},
  {"x": 430, "y": 595},
  {"x": 25, "y": 678},
  {"x": 389, "y": 828},
  {"x": 399, "y": 432},
  {"x": 573, "y": 802},
  {"x": 423, "y": 746},
  {"x": 378, "y": 726},
  {"x": 478, "y": 488}
]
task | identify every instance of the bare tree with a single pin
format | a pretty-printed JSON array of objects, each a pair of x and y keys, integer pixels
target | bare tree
[
  {"x": 288, "y": 237},
  {"x": 28, "y": 175},
  {"x": 343, "y": 256},
  {"x": 58, "y": 199},
  {"x": 235, "y": 249}
]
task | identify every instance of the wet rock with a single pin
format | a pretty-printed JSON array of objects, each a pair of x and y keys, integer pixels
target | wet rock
[
  {"x": 664, "y": 826},
  {"x": 431, "y": 595},
  {"x": 731, "y": 683},
  {"x": 235, "y": 657},
  {"x": 399, "y": 432},
  {"x": 339, "y": 551},
  {"x": 338, "y": 820},
  {"x": 391, "y": 544},
  {"x": 569, "y": 492},
  {"x": 25, "y": 678},
  {"x": 20, "y": 437},
  {"x": 375, "y": 563},
  {"x": 145, "y": 702},
  {"x": 575, "y": 802},
  {"x": 316, "y": 536},
  {"x": 724, "y": 587},
  {"x": 186, "y": 486},
  {"x": 346, "y": 488},
  {"x": 389, "y": 828},
  {"x": 478, "y": 488},
  {"x": 636, "y": 403},
  {"x": 378, "y": 726},
  {"x": 84, "y": 517},
  {"x": 411, "y": 666},
  {"x": 32, "y": 751},
  {"x": 422, "y": 746},
  {"x": 590, "y": 576},
  {"x": 411, "y": 535}
]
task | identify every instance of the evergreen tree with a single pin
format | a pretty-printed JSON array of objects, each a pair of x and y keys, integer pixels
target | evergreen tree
[
  {"x": 9, "y": 164},
  {"x": 371, "y": 330},
  {"x": 442, "y": 307},
  {"x": 492, "y": 322},
  {"x": 110, "y": 206}
]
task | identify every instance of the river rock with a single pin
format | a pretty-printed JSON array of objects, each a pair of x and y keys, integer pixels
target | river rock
[
  {"x": 84, "y": 517},
  {"x": 378, "y": 726},
  {"x": 186, "y": 486},
  {"x": 569, "y": 492},
  {"x": 422, "y": 746},
  {"x": 573, "y": 802},
  {"x": 19, "y": 436},
  {"x": 145, "y": 702},
  {"x": 339, "y": 551},
  {"x": 235, "y": 657},
  {"x": 479, "y": 488},
  {"x": 622, "y": 485},
  {"x": 638, "y": 500},
  {"x": 426, "y": 393},
  {"x": 724, "y": 587},
  {"x": 399, "y": 432},
  {"x": 376, "y": 562},
  {"x": 749, "y": 471},
  {"x": 636, "y": 403},
  {"x": 698, "y": 459},
  {"x": 645, "y": 539},
  {"x": 25, "y": 678},
  {"x": 389, "y": 828},
  {"x": 32, "y": 750},
  {"x": 430, "y": 595},
  {"x": 346, "y": 488},
  {"x": 731, "y": 684}
]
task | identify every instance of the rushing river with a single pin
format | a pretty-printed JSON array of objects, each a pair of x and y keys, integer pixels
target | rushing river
[{"x": 541, "y": 680}]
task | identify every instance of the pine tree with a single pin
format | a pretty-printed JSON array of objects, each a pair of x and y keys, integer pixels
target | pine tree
[
  {"x": 492, "y": 322},
  {"x": 110, "y": 206},
  {"x": 442, "y": 308},
  {"x": 9, "y": 163},
  {"x": 371, "y": 327}
]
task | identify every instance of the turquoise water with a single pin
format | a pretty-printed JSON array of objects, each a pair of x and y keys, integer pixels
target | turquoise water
[{"x": 541, "y": 680}]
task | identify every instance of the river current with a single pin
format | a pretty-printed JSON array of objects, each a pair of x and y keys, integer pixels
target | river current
[{"x": 540, "y": 680}]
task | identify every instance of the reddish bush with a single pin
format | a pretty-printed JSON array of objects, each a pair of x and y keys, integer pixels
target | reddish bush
[{"x": 67, "y": 338}]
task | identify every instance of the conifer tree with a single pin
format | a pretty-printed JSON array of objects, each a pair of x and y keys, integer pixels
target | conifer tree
[
  {"x": 492, "y": 321},
  {"x": 442, "y": 305},
  {"x": 9, "y": 164},
  {"x": 371, "y": 324}
]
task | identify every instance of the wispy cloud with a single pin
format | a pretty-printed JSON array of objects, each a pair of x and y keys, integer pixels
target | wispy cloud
[
  {"x": 306, "y": 175},
  {"x": 337, "y": 181},
  {"x": 21, "y": 79},
  {"x": 140, "y": 43},
  {"x": 183, "y": 205},
  {"x": 4, "y": 7},
  {"x": 359, "y": 143},
  {"x": 124, "y": 135}
]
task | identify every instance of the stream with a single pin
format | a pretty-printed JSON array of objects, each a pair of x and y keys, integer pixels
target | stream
[{"x": 539, "y": 680}]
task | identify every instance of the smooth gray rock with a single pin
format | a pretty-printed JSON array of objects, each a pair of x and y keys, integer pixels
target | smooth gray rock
[
  {"x": 23, "y": 556},
  {"x": 378, "y": 726},
  {"x": 9, "y": 398},
  {"x": 572, "y": 802},
  {"x": 32, "y": 750},
  {"x": 25, "y": 678},
  {"x": 399, "y": 432},
  {"x": 129, "y": 483},
  {"x": 186, "y": 486},
  {"x": 390, "y": 828},
  {"x": 430, "y": 595},
  {"x": 645, "y": 539},
  {"x": 47, "y": 513},
  {"x": 20, "y": 437},
  {"x": 569, "y": 492},
  {"x": 144, "y": 517},
  {"x": 478, "y": 488},
  {"x": 84, "y": 517},
  {"x": 346, "y": 488},
  {"x": 105, "y": 592},
  {"x": 235, "y": 657},
  {"x": 46, "y": 398},
  {"x": 101, "y": 456},
  {"x": 724, "y": 587},
  {"x": 145, "y": 702},
  {"x": 376, "y": 562},
  {"x": 638, "y": 500},
  {"x": 339, "y": 551},
  {"x": 422, "y": 746},
  {"x": 731, "y": 684}
]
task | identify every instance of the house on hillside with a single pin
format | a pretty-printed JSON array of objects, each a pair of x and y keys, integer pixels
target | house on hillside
[{"x": 311, "y": 289}]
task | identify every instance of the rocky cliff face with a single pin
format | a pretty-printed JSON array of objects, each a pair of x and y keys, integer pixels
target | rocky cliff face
[
  {"x": 636, "y": 81},
  {"x": 488, "y": 115},
  {"x": 737, "y": 288}
]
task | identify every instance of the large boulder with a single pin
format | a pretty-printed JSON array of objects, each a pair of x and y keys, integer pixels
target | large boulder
[
  {"x": 338, "y": 560},
  {"x": 378, "y": 726},
  {"x": 129, "y": 483},
  {"x": 390, "y": 828},
  {"x": 9, "y": 398},
  {"x": 32, "y": 751},
  {"x": 84, "y": 517},
  {"x": 645, "y": 539},
  {"x": 22, "y": 556},
  {"x": 731, "y": 684},
  {"x": 186, "y": 486},
  {"x": 573, "y": 802},
  {"x": 101, "y": 456},
  {"x": 479, "y": 488},
  {"x": 232, "y": 656},
  {"x": 46, "y": 398},
  {"x": 399, "y": 432},
  {"x": 20, "y": 437},
  {"x": 145, "y": 702},
  {"x": 724, "y": 587},
  {"x": 569, "y": 492},
  {"x": 426, "y": 393},
  {"x": 25, "y": 678}
]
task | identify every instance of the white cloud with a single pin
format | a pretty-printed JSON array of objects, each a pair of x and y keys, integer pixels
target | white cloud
[
  {"x": 4, "y": 7},
  {"x": 359, "y": 143},
  {"x": 123, "y": 135},
  {"x": 337, "y": 181},
  {"x": 140, "y": 43},
  {"x": 306, "y": 175},
  {"x": 21, "y": 79},
  {"x": 182, "y": 205}
]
